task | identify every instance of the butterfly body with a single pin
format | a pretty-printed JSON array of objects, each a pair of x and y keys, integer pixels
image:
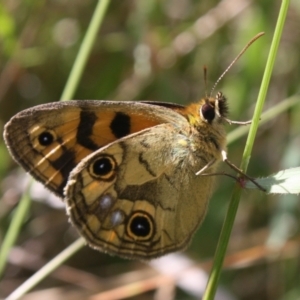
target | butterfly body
[{"x": 126, "y": 170}]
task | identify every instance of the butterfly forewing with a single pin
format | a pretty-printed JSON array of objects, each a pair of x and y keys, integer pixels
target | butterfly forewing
[{"x": 50, "y": 140}]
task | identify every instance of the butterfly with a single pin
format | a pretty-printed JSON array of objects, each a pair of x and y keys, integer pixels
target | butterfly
[
  {"x": 126, "y": 170},
  {"x": 131, "y": 174}
]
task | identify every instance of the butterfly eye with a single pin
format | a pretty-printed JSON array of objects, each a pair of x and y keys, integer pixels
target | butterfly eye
[
  {"x": 103, "y": 168},
  {"x": 140, "y": 226},
  {"x": 207, "y": 112}
]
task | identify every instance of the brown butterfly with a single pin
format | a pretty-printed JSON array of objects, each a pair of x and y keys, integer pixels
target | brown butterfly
[{"x": 130, "y": 173}]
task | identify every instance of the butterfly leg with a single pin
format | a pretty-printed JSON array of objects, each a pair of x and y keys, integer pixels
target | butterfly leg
[
  {"x": 206, "y": 167},
  {"x": 235, "y": 168},
  {"x": 230, "y": 122}
]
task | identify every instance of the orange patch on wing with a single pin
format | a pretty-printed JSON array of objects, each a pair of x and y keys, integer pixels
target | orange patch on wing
[
  {"x": 112, "y": 236},
  {"x": 81, "y": 153},
  {"x": 139, "y": 122},
  {"x": 70, "y": 126},
  {"x": 102, "y": 133}
]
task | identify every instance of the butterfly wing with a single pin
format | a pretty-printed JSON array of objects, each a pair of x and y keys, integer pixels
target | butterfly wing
[
  {"x": 49, "y": 140},
  {"x": 139, "y": 197}
]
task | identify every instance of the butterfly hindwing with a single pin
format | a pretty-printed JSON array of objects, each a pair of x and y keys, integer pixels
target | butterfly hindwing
[{"x": 139, "y": 197}]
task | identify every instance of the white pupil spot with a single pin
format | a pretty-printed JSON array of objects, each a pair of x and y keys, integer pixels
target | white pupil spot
[
  {"x": 116, "y": 218},
  {"x": 106, "y": 202}
]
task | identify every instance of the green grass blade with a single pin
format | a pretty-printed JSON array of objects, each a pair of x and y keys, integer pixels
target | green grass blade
[
  {"x": 14, "y": 228},
  {"x": 265, "y": 84},
  {"x": 85, "y": 50},
  {"x": 46, "y": 270},
  {"x": 75, "y": 74},
  {"x": 233, "y": 206}
]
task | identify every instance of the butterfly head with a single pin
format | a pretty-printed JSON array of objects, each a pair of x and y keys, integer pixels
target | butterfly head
[
  {"x": 213, "y": 109},
  {"x": 209, "y": 110}
]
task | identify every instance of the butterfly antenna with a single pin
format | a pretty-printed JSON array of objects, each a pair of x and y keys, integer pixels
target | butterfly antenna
[
  {"x": 205, "y": 80},
  {"x": 234, "y": 61}
]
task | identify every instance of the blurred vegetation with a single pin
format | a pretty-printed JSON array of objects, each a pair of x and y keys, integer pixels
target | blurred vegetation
[{"x": 155, "y": 50}]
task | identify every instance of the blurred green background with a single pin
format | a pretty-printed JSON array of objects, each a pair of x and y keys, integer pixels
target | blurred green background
[{"x": 156, "y": 50}]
